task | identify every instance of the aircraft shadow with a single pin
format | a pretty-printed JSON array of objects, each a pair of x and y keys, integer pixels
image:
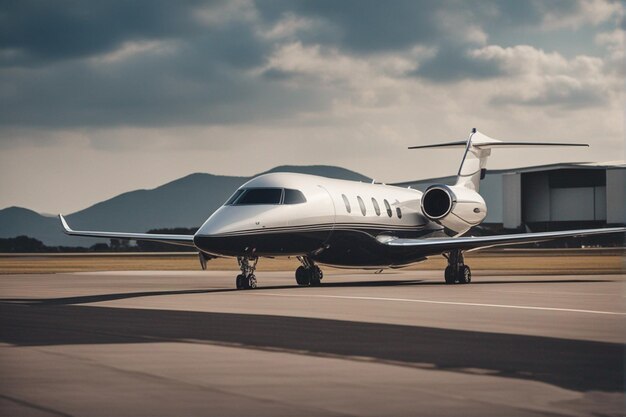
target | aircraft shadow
[{"x": 572, "y": 364}]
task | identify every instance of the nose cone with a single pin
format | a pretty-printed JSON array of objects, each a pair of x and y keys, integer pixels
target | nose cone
[
  {"x": 212, "y": 237},
  {"x": 219, "y": 222}
]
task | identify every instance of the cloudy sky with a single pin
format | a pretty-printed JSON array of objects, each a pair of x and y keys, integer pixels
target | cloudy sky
[{"x": 102, "y": 97}]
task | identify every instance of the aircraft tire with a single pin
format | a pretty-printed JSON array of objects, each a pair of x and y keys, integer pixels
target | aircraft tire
[
  {"x": 315, "y": 276},
  {"x": 251, "y": 281},
  {"x": 302, "y": 276},
  {"x": 240, "y": 281},
  {"x": 449, "y": 275},
  {"x": 465, "y": 276}
]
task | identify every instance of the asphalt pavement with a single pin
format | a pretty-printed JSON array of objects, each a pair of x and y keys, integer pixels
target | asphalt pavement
[{"x": 363, "y": 344}]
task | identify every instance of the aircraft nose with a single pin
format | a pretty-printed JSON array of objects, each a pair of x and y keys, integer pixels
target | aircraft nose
[
  {"x": 218, "y": 235},
  {"x": 216, "y": 224},
  {"x": 246, "y": 231}
]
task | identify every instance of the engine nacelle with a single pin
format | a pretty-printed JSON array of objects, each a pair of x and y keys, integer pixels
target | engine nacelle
[{"x": 456, "y": 208}]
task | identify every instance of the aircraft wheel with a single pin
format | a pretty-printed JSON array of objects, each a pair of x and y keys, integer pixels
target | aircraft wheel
[
  {"x": 465, "y": 275},
  {"x": 251, "y": 281},
  {"x": 449, "y": 275},
  {"x": 240, "y": 281},
  {"x": 316, "y": 276},
  {"x": 302, "y": 276}
]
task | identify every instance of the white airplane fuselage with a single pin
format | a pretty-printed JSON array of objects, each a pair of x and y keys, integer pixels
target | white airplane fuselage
[{"x": 323, "y": 227}]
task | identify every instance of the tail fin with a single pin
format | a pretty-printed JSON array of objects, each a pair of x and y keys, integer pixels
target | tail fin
[{"x": 477, "y": 149}]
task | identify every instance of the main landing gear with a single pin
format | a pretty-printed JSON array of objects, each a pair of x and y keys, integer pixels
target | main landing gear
[
  {"x": 309, "y": 274},
  {"x": 456, "y": 271},
  {"x": 246, "y": 279}
]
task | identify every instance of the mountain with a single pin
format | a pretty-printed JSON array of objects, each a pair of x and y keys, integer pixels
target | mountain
[
  {"x": 185, "y": 202},
  {"x": 16, "y": 221}
]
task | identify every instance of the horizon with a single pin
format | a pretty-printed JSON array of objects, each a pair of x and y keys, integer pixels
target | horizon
[{"x": 102, "y": 98}]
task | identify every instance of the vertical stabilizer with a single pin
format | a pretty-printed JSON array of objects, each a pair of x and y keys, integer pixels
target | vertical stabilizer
[{"x": 474, "y": 160}]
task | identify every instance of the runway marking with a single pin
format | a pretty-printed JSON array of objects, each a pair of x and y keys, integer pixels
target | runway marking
[{"x": 457, "y": 303}]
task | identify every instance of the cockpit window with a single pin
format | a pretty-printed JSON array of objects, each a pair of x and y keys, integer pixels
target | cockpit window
[
  {"x": 234, "y": 197},
  {"x": 250, "y": 196},
  {"x": 293, "y": 197},
  {"x": 259, "y": 196}
]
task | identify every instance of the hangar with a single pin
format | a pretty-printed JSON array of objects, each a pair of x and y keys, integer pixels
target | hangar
[{"x": 551, "y": 197}]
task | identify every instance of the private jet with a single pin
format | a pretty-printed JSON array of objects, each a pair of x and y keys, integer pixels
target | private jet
[{"x": 323, "y": 221}]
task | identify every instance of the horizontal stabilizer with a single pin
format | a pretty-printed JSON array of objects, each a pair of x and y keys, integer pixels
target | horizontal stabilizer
[
  {"x": 184, "y": 240},
  {"x": 458, "y": 144},
  {"x": 463, "y": 144}
]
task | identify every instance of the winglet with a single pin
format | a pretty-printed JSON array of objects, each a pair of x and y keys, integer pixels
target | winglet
[{"x": 66, "y": 227}]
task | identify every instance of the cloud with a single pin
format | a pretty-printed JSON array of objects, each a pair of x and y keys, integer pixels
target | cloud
[
  {"x": 570, "y": 14},
  {"x": 361, "y": 26},
  {"x": 614, "y": 44},
  {"x": 49, "y": 31},
  {"x": 201, "y": 78},
  {"x": 454, "y": 63},
  {"x": 156, "y": 64},
  {"x": 535, "y": 77}
]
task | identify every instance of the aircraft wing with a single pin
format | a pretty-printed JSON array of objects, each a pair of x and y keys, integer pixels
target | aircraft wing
[
  {"x": 185, "y": 240},
  {"x": 440, "y": 245}
]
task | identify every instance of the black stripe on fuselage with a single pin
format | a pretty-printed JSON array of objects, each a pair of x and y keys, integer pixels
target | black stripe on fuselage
[{"x": 380, "y": 227}]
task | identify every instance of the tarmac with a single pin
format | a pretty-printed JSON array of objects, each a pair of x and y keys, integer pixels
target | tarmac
[{"x": 400, "y": 343}]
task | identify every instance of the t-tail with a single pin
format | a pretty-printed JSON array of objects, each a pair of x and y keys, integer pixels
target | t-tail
[
  {"x": 459, "y": 207},
  {"x": 477, "y": 149}
]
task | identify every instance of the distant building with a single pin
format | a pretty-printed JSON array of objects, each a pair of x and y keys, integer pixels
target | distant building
[{"x": 551, "y": 197}]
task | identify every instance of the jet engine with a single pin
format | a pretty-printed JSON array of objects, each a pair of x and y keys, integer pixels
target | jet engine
[{"x": 454, "y": 207}]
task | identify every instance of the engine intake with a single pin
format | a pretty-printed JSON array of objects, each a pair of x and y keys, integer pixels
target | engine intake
[
  {"x": 437, "y": 202},
  {"x": 454, "y": 207}
]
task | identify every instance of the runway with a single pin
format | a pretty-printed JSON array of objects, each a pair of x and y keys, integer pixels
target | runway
[{"x": 364, "y": 344}]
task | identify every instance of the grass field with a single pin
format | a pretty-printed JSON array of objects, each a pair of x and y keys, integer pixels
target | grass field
[{"x": 522, "y": 261}]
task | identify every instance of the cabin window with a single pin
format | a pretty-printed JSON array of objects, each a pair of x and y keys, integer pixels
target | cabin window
[
  {"x": 260, "y": 196},
  {"x": 347, "y": 203},
  {"x": 362, "y": 205},
  {"x": 399, "y": 212},
  {"x": 376, "y": 206},
  {"x": 388, "y": 208},
  {"x": 234, "y": 197},
  {"x": 293, "y": 197}
]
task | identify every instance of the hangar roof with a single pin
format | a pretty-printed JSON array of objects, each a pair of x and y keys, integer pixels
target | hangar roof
[{"x": 550, "y": 167}]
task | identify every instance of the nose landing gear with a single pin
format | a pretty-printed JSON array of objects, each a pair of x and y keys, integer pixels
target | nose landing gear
[
  {"x": 246, "y": 280},
  {"x": 457, "y": 272},
  {"x": 309, "y": 274}
]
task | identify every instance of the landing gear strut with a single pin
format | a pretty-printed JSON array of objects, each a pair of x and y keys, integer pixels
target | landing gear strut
[
  {"x": 456, "y": 271},
  {"x": 308, "y": 274},
  {"x": 246, "y": 279}
]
